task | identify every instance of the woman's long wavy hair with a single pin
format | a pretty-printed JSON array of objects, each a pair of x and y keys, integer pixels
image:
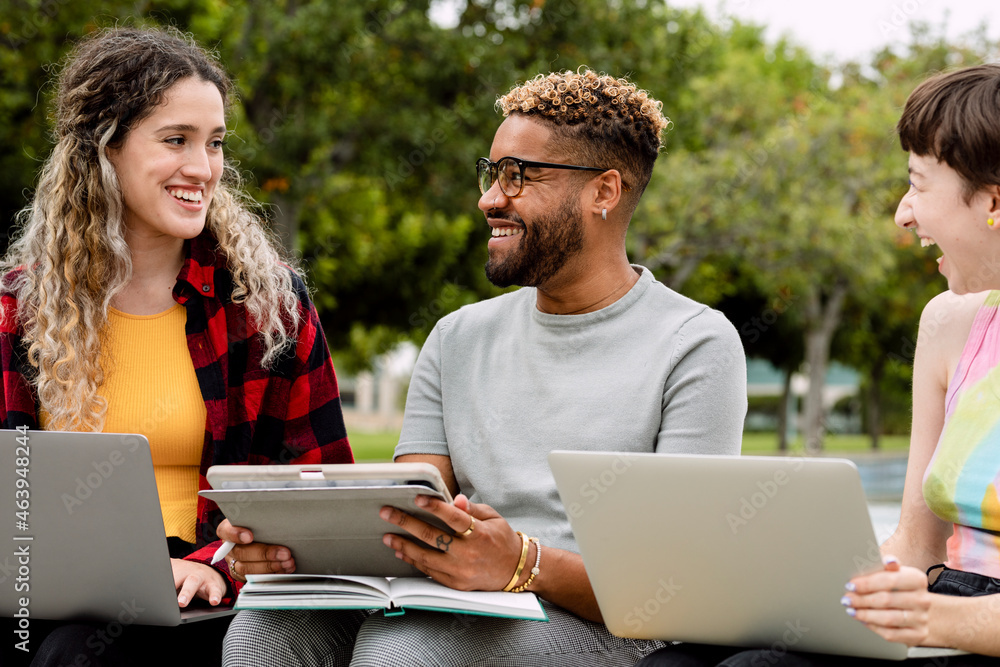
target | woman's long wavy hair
[{"x": 71, "y": 245}]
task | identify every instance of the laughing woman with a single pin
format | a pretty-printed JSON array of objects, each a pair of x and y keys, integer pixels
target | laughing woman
[
  {"x": 941, "y": 582},
  {"x": 143, "y": 296}
]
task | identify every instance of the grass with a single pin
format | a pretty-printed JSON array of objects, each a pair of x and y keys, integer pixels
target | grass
[
  {"x": 379, "y": 446},
  {"x": 373, "y": 446},
  {"x": 767, "y": 443}
]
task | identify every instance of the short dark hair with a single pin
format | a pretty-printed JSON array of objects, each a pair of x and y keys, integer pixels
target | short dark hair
[
  {"x": 601, "y": 121},
  {"x": 955, "y": 117}
]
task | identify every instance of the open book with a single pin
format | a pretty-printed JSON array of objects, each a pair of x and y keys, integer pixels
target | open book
[{"x": 317, "y": 591}]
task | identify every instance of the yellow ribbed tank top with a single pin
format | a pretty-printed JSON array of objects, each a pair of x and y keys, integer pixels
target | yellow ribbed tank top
[{"x": 151, "y": 388}]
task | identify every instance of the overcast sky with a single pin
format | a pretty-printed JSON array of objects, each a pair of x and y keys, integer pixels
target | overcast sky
[
  {"x": 853, "y": 29},
  {"x": 837, "y": 31}
]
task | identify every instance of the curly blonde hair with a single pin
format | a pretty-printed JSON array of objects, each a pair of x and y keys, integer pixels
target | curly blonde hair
[
  {"x": 71, "y": 250},
  {"x": 598, "y": 120}
]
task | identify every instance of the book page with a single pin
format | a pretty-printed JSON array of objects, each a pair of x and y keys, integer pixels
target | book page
[
  {"x": 375, "y": 587},
  {"x": 416, "y": 592}
]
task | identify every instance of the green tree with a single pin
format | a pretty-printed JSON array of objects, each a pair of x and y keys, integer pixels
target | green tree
[
  {"x": 879, "y": 339},
  {"x": 358, "y": 124}
]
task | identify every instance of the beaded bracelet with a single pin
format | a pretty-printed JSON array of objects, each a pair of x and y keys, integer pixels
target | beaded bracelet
[
  {"x": 520, "y": 565},
  {"x": 534, "y": 570}
]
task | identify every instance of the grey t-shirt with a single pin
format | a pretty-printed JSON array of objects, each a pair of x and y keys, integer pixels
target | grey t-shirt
[{"x": 499, "y": 384}]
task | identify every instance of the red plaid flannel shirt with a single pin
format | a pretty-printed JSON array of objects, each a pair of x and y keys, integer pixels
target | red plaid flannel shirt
[{"x": 289, "y": 413}]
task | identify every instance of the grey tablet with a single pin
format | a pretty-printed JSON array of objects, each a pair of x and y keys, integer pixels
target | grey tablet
[{"x": 328, "y": 514}]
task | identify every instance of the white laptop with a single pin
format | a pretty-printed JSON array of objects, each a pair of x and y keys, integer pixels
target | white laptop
[
  {"x": 727, "y": 550},
  {"x": 84, "y": 531}
]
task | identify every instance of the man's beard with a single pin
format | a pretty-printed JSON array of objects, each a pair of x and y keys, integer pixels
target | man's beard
[{"x": 543, "y": 249}]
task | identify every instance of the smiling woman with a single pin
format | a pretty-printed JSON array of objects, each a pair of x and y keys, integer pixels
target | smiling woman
[
  {"x": 939, "y": 584},
  {"x": 144, "y": 296},
  {"x": 169, "y": 166}
]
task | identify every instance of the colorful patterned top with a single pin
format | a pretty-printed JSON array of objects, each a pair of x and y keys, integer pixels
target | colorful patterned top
[{"x": 962, "y": 480}]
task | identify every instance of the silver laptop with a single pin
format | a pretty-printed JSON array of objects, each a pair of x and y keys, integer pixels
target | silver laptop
[
  {"x": 735, "y": 551},
  {"x": 85, "y": 535}
]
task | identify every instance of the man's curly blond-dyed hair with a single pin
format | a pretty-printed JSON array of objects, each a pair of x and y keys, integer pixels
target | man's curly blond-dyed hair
[
  {"x": 598, "y": 120},
  {"x": 71, "y": 245}
]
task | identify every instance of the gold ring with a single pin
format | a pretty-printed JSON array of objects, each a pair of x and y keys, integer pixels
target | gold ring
[
  {"x": 232, "y": 570},
  {"x": 472, "y": 526}
]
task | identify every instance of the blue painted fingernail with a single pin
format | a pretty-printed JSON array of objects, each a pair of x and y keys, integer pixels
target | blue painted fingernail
[
  {"x": 851, "y": 611},
  {"x": 846, "y": 601},
  {"x": 850, "y": 586}
]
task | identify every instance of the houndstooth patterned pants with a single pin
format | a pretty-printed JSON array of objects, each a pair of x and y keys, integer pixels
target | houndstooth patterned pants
[{"x": 435, "y": 639}]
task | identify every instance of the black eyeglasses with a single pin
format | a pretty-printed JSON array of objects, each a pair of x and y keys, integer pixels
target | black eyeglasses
[{"x": 510, "y": 172}]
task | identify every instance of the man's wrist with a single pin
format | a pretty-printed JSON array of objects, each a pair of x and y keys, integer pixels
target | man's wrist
[
  {"x": 520, "y": 564},
  {"x": 531, "y": 568}
]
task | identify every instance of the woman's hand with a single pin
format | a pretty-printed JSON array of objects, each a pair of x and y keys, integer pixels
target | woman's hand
[
  {"x": 249, "y": 557},
  {"x": 894, "y": 603},
  {"x": 197, "y": 579}
]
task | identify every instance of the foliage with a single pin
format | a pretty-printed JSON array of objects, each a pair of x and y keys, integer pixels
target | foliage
[{"x": 358, "y": 125}]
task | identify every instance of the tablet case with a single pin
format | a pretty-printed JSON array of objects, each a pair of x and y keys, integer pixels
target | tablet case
[{"x": 329, "y": 529}]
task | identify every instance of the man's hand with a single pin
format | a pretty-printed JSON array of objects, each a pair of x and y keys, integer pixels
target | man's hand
[
  {"x": 197, "y": 579},
  {"x": 483, "y": 560},
  {"x": 249, "y": 557}
]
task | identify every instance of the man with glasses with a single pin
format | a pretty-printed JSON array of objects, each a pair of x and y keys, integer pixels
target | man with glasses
[{"x": 594, "y": 354}]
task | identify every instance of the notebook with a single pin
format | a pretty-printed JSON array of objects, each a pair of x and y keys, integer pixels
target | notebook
[
  {"x": 735, "y": 551},
  {"x": 84, "y": 531},
  {"x": 394, "y": 594}
]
